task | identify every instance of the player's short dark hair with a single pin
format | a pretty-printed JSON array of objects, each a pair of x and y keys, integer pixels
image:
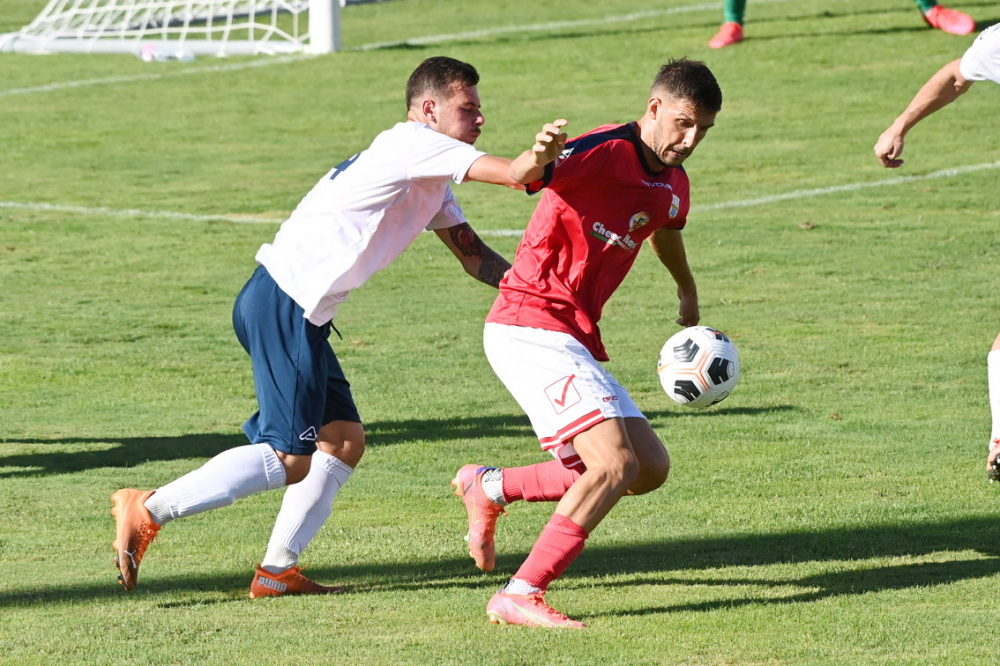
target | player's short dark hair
[
  {"x": 437, "y": 75},
  {"x": 692, "y": 81}
]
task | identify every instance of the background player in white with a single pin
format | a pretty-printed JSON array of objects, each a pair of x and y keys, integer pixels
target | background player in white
[
  {"x": 603, "y": 195},
  {"x": 355, "y": 221},
  {"x": 981, "y": 62}
]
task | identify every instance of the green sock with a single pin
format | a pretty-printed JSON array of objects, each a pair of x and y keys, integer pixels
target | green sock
[
  {"x": 926, "y": 5},
  {"x": 736, "y": 8}
]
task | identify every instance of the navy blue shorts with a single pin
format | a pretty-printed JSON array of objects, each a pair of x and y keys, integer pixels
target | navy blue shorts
[{"x": 299, "y": 384}]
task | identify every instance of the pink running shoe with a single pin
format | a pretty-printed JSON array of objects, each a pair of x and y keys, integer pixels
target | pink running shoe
[
  {"x": 134, "y": 530},
  {"x": 482, "y": 512},
  {"x": 730, "y": 33},
  {"x": 528, "y": 610},
  {"x": 949, "y": 20}
]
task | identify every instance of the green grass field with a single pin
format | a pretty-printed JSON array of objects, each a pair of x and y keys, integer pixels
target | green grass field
[{"x": 834, "y": 510}]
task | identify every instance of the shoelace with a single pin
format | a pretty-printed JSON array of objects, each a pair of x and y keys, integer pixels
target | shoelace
[
  {"x": 540, "y": 600},
  {"x": 146, "y": 534}
]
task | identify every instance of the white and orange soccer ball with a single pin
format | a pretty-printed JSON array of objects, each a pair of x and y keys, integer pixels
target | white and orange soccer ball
[{"x": 698, "y": 366}]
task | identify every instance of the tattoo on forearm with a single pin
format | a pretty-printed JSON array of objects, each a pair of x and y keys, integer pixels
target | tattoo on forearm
[
  {"x": 493, "y": 266},
  {"x": 466, "y": 240}
]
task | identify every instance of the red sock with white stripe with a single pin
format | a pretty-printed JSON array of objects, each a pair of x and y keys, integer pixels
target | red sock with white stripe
[
  {"x": 558, "y": 545},
  {"x": 544, "y": 482}
]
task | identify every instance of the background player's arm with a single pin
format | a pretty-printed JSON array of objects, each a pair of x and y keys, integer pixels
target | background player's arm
[
  {"x": 940, "y": 90},
  {"x": 479, "y": 260},
  {"x": 668, "y": 244}
]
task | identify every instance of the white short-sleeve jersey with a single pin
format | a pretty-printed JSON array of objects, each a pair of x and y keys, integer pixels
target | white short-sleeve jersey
[
  {"x": 982, "y": 61},
  {"x": 364, "y": 213}
]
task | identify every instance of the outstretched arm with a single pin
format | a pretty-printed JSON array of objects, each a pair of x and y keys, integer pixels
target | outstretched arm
[
  {"x": 478, "y": 259},
  {"x": 940, "y": 90},
  {"x": 669, "y": 247},
  {"x": 529, "y": 165}
]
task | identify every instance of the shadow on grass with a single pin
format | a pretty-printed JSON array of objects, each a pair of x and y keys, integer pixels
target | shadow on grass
[
  {"x": 824, "y": 586},
  {"x": 982, "y": 25},
  {"x": 978, "y": 534},
  {"x": 132, "y": 451}
]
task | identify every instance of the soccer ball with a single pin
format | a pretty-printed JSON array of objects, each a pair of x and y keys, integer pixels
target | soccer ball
[{"x": 698, "y": 366}]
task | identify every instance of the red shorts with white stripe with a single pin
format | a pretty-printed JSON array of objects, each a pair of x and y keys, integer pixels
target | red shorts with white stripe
[{"x": 557, "y": 382}]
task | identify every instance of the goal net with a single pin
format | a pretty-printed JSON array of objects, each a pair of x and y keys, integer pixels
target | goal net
[{"x": 181, "y": 27}]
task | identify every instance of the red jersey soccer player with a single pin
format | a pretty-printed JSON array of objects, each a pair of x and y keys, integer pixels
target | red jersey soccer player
[{"x": 603, "y": 194}]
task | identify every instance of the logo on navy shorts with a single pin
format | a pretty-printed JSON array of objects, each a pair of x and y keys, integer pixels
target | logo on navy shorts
[{"x": 309, "y": 435}]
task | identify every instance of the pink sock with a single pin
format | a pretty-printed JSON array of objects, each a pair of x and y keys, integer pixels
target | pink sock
[
  {"x": 558, "y": 545},
  {"x": 544, "y": 482}
]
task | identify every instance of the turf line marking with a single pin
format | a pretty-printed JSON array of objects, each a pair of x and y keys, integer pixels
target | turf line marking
[
  {"x": 820, "y": 191},
  {"x": 228, "y": 67},
  {"x": 100, "y": 211},
  {"x": 431, "y": 39},
  {"x": 740, "y": 203}
]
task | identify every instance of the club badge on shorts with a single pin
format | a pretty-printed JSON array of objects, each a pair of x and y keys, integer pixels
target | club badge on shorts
[{"x": 562, "y": 394}]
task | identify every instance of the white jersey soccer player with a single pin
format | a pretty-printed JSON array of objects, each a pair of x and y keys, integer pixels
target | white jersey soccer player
[
  {"x": 981, "y": 62},
  {"x": 307, "y": 433},
  {"x": 363, "y": 213}
]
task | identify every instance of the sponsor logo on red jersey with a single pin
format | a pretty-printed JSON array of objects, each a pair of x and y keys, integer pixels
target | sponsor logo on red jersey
[
  {"x": 604, "y": 234},
  {"x": 637, "y": 221}
]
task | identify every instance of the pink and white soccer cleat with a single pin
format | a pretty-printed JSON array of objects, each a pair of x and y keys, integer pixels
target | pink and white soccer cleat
[
  {"x": 482, "y": 514},
  {"x": 993, "y": 460},
  {"x": 950, "y": 20},
  {"x": 527, "y": 610},
  {"x": 730, "y": 33}
]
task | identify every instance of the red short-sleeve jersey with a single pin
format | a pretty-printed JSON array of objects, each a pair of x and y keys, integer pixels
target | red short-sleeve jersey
[{"x": 599, "y": 202}]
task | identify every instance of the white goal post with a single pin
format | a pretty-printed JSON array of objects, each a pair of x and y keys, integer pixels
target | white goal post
[{"x": 181, "y": 28}]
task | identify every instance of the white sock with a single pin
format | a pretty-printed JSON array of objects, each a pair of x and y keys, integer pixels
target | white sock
[
  {"x": 306, "y": 506},
  {"x": 518, "y": 586},
  {"x": 993, "y": 368},
  {"x": 229, "y": 476},
  {"x": 492, "y": 482}
]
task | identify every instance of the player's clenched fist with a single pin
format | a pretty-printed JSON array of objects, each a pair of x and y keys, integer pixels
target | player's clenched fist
[{"x": 889, "y": 148}]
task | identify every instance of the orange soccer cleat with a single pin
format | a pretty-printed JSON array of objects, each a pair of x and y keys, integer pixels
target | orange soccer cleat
[
  {"x": 482, "y": 514},
  {"x": 949, "y": 20},
  {"x": 289, "y": 581},
  {"x": 528, "y": 610},
  {"x": 134, "y": 530},
  {"x": 730, "y": 33}
]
